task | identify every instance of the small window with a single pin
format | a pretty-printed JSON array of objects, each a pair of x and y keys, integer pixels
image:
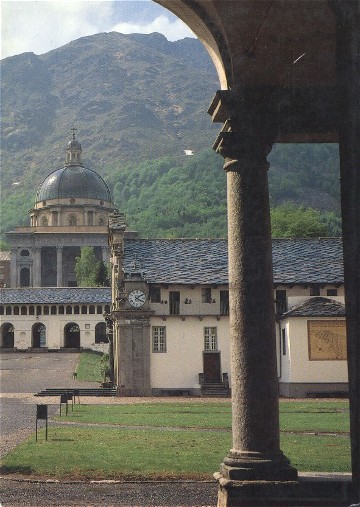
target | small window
[
  {"x": 283, "y": 341},
  {"x": 107, "y": 308},
  {"x": 99, "y": 310},
  {"x": 210, "y": 339},
  {"x": 331, "y": 292},
  {"x": 92, "y": 309},
  {"x": 174, "y": 302},
  {"x": 224, "y": 302},
  {"x": 1, "y": 310},
  {"x": 159, "y": 339},
  {"x": 76, "y": 309},
  {"x": 61, "y": 310},
  {"x": 31, "y": 310},
  {"x": 315, "y": 290},
  {"x": 280, "y": 301},
  {"x": 8, "y": 310},
  {"x": 206, "y": 295},
  {"x": 16, "y": 310},
  {"x": 46, "y": 310},
  {"x": 155, "y": 294},
  {"x": 84, "y": 309},
  {"x": 53, "y": 310},
  {"x": 72, "y": 220},
  {"x": 38, "y": 310},
  {"x": 44, "y": 221},
  {"x": 24, "y": 253},
  {"x": 69, "y": 310},
  {"x": 23, "y": 310}
]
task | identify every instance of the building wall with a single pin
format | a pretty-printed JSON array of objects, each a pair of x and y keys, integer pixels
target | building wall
[
  {"x": 299, "y": 375},
  {"x": 180, "y": 365}
]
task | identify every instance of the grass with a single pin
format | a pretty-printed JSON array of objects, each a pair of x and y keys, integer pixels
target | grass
[
  {"x": 89, "y": 367},
  {"x": 180, "y": 440}
]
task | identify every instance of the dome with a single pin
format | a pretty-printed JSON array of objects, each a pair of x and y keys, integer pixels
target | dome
[
  {"x": 74, "y": 144},
  {"x": 74, "y": 181}
]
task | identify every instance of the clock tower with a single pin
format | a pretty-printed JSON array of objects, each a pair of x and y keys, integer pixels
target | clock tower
[{"x": 131, "y": 316}]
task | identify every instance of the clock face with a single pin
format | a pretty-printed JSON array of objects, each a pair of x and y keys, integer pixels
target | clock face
[{"x": 137, "y": 298}]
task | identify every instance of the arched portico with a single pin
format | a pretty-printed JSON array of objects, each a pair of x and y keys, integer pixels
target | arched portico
[
  {"x": 7, "y": 336},
  {"x": 71, "y": 336},
  {"x": 289, "y": 71},
  {"x": 38, "y": 335}
]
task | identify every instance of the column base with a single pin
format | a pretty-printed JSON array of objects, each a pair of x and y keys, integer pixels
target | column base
[
  {"x": 257, "y": 466},
  {"x": 305, "y": 492}
]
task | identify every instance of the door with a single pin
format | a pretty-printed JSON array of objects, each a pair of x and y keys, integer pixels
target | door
[{"x": 212, "y": 369}]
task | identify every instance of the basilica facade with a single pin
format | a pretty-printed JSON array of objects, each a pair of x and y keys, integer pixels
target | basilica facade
[{"x": 70, "y": 211}]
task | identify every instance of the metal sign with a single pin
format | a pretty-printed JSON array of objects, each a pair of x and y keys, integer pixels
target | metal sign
[{"x": 42, "y": 414}]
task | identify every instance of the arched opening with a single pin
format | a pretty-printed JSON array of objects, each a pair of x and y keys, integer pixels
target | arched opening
[
  {"x": 7, "y": 336},
  {"x": 38, "y": 336},
  {"x": 100, "y": 333},
  {"x": 25, "y": 277},
  {"x": 71, "y": 336}
]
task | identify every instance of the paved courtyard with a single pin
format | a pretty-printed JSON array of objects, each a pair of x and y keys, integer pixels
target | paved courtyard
[{"x": 24, "y": 374}]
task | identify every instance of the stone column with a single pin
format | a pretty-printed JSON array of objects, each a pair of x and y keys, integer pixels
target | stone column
[
  {"x": 348, "y": 65},
  {"x": 59, "y": 266},
  {"x": 105, "y": 254},
  {"x": 36, "y": 278},
  {"x": 13, "y": 268},
  {"x": 256, "y": 453}
]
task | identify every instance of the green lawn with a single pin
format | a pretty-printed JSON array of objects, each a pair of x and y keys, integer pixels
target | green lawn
[
  {"x": 89, "y": 367},
  {"x": 185, "y": 439}
]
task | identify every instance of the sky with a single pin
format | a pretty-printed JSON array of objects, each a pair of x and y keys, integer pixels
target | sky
[{"x": 40, "y": 26}]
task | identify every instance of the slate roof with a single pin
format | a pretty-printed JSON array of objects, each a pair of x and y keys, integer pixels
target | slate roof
[
  {"x": 56, "y": 295},
  {"x": 317, "y": 307},
  {"x": 204, "y": 261}
]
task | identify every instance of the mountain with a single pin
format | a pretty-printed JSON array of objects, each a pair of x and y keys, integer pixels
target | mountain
[{"x": 136, "y": 100}]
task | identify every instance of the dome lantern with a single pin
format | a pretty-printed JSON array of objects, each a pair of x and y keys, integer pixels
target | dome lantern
[{"x": 73, "y": 151}]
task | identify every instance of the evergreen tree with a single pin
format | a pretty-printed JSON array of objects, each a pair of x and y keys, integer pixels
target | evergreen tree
[
  {"x": 86, "y": 267},
  {"x": 102, "y": 275}
]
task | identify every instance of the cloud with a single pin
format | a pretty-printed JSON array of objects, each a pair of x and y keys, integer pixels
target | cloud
[
  {"x": 173, "y": 30},
  {"x": 45, "y": 25}
]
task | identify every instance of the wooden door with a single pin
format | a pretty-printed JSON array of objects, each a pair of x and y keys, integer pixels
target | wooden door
[{"x": 212, "y": 370}]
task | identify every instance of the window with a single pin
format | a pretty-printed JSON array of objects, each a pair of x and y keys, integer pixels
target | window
[
  {"x": 92, "y": 309},
  {"x": 315, "y": 290},
  {"x": 8, "y": 310},
  {"x": 155, "y": 294},
  {"x": 46, "y": 310},
  {"x": 331, "y": 292},
  {"x": 53, "y": 310},
  {"x": 84, "y": 310},
  {"x": 159, "y": 339},
  {"x": 99, "y": 310},
  {"x": 280, "y": 301},
  {"x": 16, "y": 310},
  {"x": 69, "y": 310},
  {"x": 61, "y": 310},
  {"x": 72, "y": 220},
  {"x": 23, "y": 310},
  {"x": 283, "y": 341},
  {"x": 24, "y": 253},
  {"x": 224, "y": 302},
  {"x": 107, "y": 308},
  {"x": 1, "y": 310},
  {"x": 38, "y": 310},
  {"x": 174, "y": 302},
  {"x": 31, "y": 310},
  {"x": 44, "y": 221},
  {"x": 206, "y": 295},
  {"x": 210, "y": 339},
  {"x": 76, "y": 309}
]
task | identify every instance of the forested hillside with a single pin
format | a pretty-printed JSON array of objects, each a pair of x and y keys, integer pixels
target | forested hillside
[{"x": 139, "y": 101}]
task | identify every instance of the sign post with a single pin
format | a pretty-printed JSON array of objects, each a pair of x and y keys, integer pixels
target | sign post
[{"x": 42, "y": 414}]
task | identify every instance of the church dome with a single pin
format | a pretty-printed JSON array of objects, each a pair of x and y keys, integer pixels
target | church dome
[{"x": 73, "y": 181}]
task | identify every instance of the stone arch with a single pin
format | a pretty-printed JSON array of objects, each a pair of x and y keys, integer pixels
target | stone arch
[
  {"x": 7, "y": 335},
  {"x": 24, "y": 277},
  {"x": 100, "y": 333},
  {"x": 38, "y": 335},
  {"x": 207, "y": 26},
  {"x": 72, "y": 336}
]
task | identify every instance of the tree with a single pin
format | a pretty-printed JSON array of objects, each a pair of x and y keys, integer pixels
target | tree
[
  {"x": 290, "y": 221},
  {"x": 86, "y": 267},
  {"x": 102, "y": 275}
]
